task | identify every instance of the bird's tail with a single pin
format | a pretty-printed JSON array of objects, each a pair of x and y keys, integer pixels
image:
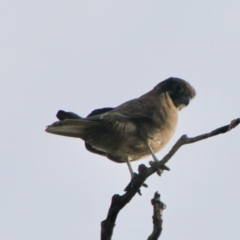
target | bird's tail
[{"x": 71, "y": 127}]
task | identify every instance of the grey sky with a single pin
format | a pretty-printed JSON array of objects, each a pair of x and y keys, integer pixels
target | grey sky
[{"x": 82, "y": 55}]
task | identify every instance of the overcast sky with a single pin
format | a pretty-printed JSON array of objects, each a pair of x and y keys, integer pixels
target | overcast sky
[{"x": 82, "y": 55}]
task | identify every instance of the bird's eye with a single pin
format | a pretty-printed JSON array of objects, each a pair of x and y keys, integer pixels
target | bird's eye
[{"x": 178, "y": 88}]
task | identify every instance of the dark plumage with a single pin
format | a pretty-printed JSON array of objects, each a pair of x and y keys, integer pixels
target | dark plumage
[{"x": 130, "y": 131}]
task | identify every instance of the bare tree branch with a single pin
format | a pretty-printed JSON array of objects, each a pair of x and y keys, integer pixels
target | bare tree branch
[
  {"x": 118, "y": 202},
  {"x": 186, "y": 140},
  {"x": 158, "y": 208}
]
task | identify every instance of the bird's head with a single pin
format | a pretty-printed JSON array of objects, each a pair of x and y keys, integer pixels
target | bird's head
[{"x": 180, "y": 91}]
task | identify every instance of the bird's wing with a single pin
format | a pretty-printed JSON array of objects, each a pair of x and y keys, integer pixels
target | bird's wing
[
  {"x": 140, "y": 108},
  {"x": 115, "y": 120},
  {"x": 122, "y": 120},
  {"x": 114, "y": 123},
  {"x": 73, "y": 125},
  {"x": 99, "y": 111},
  {"x": 88, "y": 146},
  {"x": 136, "y": 110}
]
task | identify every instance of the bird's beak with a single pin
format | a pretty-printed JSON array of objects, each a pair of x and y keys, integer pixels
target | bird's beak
[{"x": 185, "y": 100}]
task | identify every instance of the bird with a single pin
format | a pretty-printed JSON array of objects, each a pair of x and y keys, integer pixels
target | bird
[{"x": 136, "y": 129}]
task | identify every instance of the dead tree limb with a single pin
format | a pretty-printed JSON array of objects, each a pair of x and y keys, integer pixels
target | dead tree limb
[
  {"x": 118, "y": 202},
  {"x": 158, "y": 208}
]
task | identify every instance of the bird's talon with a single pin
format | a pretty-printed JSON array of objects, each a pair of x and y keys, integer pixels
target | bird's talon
[
  {"x": 164, "y": 167},
  {"x": 145, "y": 185},
  {"x": 159, "y": 172}
]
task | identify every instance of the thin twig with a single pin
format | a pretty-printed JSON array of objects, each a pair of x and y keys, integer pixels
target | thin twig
[{"x": 186, "y": 140}]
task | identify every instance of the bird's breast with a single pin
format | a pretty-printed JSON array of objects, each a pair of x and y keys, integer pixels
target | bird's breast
[
  {"x": 165, "y": 128},
  {"x": 157, "y": 135}
]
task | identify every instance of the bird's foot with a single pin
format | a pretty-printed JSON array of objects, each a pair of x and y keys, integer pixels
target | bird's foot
[
  {"x": 133, "y": 176},
  {"x": 154, "y": 163},
  {"x": 131, "y": 184},
  {"x": 160, "y": 170}
]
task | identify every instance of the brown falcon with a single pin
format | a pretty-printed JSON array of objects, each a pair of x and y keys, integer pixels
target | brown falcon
[{"x": 133, "y": 130}]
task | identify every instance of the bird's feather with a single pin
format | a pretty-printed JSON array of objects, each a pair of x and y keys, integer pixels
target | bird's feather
[
  {"x": 71, "y": 127},
  {"x": 99, "y": 111},
  {"x": 62, "y": 115},
  {"x": 88, "y": 146}
]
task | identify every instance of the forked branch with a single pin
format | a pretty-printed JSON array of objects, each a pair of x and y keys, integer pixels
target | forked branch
[{"x": 118, "y": 202}]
